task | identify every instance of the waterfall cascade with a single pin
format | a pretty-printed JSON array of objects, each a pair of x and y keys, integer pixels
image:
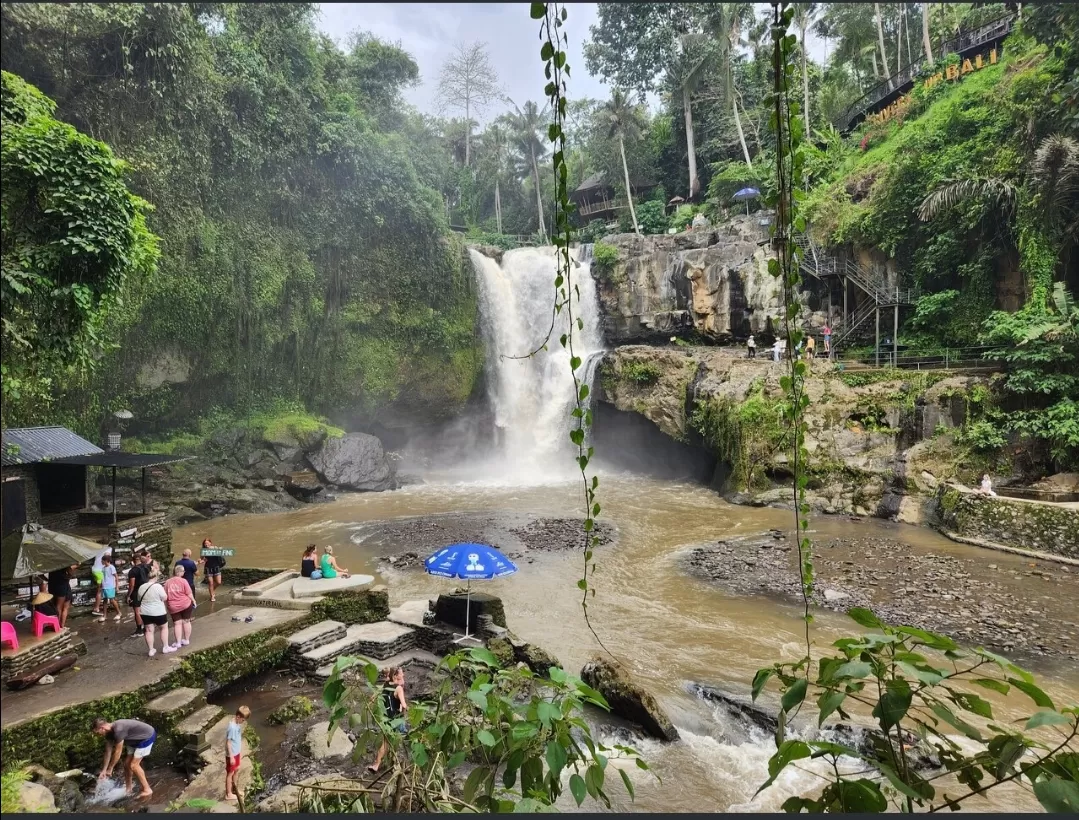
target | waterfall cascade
[{"x": 532, "y": 398}]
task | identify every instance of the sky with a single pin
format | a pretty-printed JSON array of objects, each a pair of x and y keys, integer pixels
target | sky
[{"x": 431, "y": 31}]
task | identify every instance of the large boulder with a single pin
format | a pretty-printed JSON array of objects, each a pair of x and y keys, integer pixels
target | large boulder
[
  {"x": 320, "y": 745},
  {"x": 355, "y": 461},
  {"x": 36, "y": 799},
  {"x": 628, "y": 699}
]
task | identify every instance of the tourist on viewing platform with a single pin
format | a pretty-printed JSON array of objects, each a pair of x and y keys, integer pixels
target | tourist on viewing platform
[
  {"x": 190, "y": 568},
  {"x": 309, "y": 563},
  {"x": 212, "y": 566},
  {"x": 60, "y": 587},
  {"x": 751, "y": 348},
  {"x": 108, "y": 590},
  {"x": 329, "y": 565},
  {"x": 134, "y": 736},
  {"x": 152, "y": 604},
  {"x": 180, "y": 602},
  {"x": 233, "y": 747}
]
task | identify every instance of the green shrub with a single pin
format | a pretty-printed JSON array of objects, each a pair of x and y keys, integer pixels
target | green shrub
[
  {"x": 640, "y": 373},
  {"x": 652, "y": 218},
  {"x": 604, "y": 258},
  {"x": 13, "y": 777},
  {"x": 684, "y": 216},
  {"x": 594, "y": 231}
]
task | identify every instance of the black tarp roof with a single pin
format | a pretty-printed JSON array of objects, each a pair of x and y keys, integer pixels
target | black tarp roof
[{"x": 121, "y": 461}]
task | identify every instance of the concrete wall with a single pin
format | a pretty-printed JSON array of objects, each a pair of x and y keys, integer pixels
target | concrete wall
[{"x": 1026, "y": 525}]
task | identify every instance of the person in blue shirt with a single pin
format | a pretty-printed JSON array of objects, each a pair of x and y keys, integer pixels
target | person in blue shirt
[
  {"x": 233, "y": 744},
  {"x": 190, "y": 568}
]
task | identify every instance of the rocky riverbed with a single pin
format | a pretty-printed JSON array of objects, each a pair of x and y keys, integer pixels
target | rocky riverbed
[
  {"x": 1018, "y": 607},
  {"x": 405, "y": 542}
]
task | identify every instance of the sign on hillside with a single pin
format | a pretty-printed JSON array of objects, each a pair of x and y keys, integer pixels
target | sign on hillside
[{"x": 952, "y": 73}]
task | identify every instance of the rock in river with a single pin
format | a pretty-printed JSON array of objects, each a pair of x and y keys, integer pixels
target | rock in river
[
  {"x": 627, "y": 699},
  {"x": 355, "y": 461}
]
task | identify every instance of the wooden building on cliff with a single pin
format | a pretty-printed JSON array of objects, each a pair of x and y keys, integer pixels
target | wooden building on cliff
[{"x": 597, "y": 199}]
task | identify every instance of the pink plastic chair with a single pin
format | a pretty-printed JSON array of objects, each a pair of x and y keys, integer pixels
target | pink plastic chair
[
  {"x": 7, "y": 635},
  {"x": 39, "y": 622}
]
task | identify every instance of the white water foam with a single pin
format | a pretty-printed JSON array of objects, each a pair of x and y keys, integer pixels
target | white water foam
[
  {"x": 532, "y": 398},
  {"x": 107, "y": 792}
]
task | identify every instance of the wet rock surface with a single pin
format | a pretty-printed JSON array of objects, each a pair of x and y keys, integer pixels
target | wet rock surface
[
  {"x": 406, "y": 542},
  {"x": 1017, "y": 607}
]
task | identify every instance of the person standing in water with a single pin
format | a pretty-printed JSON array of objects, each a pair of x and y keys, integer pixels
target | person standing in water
[
  {"x": 134, "y": 736},
  {"x": 233, "y": 746},
  {"x": 393, "y": 699},
  {"x": 211, "y": 568}
]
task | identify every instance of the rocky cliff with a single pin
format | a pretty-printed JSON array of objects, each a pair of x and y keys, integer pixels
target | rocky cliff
[
  {"x": 711, "y": 280},
  {"x": 879, "y": 444}
]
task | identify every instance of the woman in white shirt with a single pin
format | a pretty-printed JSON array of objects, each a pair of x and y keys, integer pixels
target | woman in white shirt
[{"x": 152, "y": 597}]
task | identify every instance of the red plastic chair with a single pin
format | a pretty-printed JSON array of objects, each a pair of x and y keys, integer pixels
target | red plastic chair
[
  {"x": 39, "y": 622},
  {"x": 7, "y": 635}
]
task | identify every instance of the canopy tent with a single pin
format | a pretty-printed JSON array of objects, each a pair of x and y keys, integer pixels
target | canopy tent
[{"x": 36, "y": 551}]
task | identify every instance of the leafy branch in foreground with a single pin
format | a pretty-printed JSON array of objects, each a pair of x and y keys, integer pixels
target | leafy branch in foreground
[
  {"x": 516, "y": 735},
  {"x": 919, "y": 687}
]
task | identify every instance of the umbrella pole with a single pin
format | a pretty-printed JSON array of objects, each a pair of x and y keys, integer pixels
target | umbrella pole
[{"x": 468, "y": 602}]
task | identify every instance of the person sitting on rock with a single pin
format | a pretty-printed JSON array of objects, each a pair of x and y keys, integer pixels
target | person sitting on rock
[
  {"x": 987, "y": 486},
  {"x": 309, "y": 563},
  {"x": 329, "y": 565}
]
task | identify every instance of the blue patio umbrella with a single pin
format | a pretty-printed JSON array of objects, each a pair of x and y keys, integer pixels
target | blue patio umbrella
[
  {"x": 470, "y": 562},
  {"x": 745, "y": 195}
]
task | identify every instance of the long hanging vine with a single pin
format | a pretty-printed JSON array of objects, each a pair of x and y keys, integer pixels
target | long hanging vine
[{"x": 552, "y": 52}]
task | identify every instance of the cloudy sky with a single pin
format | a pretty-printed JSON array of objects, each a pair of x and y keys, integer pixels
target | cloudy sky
[{"x": 431, "y": 31}]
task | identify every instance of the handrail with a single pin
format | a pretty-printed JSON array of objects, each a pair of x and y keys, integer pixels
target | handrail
[{"x": 956, "y": 45}]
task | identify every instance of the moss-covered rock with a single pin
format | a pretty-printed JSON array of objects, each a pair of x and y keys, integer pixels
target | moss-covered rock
[
  {"x": 502, "y": 649},
  {"x": 1050, "y": 528},
  {"x": 534, "y": 657},
  {"x": 295, "y": 708},
  {"x": 348, "y": 606},
  {"x": 628, "y": 699},
  {"x": 451, "y": 609}
]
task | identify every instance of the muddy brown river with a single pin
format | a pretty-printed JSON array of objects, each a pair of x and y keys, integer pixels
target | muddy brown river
[{"x": 667, "y": 626}]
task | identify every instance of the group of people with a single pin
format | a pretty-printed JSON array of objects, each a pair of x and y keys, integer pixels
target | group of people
[
  {"x": 155, "y": 596},
  {"x": 312, "y": 567},
  {"x": 137, "y": 739},
  {"x": 806, "y": 347}
]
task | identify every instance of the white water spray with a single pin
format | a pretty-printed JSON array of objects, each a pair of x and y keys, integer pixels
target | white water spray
[
  {"x": 532, "y": 399},
  {"x": 107, "y": 792}
]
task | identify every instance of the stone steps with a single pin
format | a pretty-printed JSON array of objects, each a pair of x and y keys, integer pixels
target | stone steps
[
  {"x": 322, "y": 674},
  {"x": 378, "y": 640},
  {"x": 192, "y": 729},
  {"x": 315, "y": 636},
  {"x": 174, "y": 705}
]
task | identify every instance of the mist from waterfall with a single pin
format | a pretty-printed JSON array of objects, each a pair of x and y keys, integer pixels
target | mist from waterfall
[{"x": 532, "y": 399}]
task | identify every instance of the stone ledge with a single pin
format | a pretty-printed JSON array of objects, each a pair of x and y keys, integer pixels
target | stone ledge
[{"x": 308, "y": 588}]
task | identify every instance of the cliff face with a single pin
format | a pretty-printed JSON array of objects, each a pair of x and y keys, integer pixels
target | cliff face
[
  {"x": 877, "y": 447},
  {"x": 712, "y": 280}
]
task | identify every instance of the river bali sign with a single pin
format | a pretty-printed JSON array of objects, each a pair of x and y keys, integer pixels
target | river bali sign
[{"x": 951, "y": 73}]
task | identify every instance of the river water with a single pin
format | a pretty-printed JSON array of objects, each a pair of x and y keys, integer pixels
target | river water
[{"x": 668, "y": 627}]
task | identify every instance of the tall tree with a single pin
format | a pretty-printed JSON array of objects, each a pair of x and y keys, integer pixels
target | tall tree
[
  {"x": 624, "y": 121},
  {"x": 525, "y": 124},
  {"x": 495, "y": 143},
  {"x": 880, "y": 40},
  {"x": 468, "y": 83},
  {"x": 926, "y": 44},
  {"x": 803, "y": 18},
  {"x": 725, "y": 22}
]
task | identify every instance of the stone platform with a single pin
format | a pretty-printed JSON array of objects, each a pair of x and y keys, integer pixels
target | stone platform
[
  {"x": 288, "y": 590},
  {"x": 33, "y": 652},
  {"x": 116, "y": 662}
]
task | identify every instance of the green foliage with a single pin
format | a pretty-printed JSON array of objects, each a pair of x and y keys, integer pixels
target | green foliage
[
  {"x": 73, "y": 235},
  {"x": 684, "y": 216},
  {"x": 295, "y": 708},
  {"x": 641, "y": 374},
  {"x": 521, "y": 733},
  {"x": 594, "y": 231},
  {"x": 604, "y": 258},
  {"x": 730, "y": 176},
  {"x": 14, "y": 775},
  {"x": 745, "y": 435},
  {"x": 921, "y": 688},
  {"x": 652, "y": 217}
]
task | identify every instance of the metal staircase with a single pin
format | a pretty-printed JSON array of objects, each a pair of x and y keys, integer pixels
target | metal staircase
[{"x": 816, "y": 262}]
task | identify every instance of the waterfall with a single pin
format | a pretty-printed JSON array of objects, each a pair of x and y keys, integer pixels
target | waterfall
[{"x": 532, "y": 399}]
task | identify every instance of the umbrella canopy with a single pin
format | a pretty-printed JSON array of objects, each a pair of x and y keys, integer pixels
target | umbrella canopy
[
  {"x": 469, "y": 561},
  {"x": 40, "y": 551},
  {"x": 746, "y": 193}
]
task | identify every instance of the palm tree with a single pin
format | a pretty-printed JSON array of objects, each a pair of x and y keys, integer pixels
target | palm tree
[
  {"x": 925, "y": 35},
  {"x": 998, "y": 193},
  {"x": 524, "y": 124},
  {"x": 495, "y": 144},
  {"x": 623, "y": 119},
  {"x": 725, "y": 23},
  {"x": 803, "y": 18},
  {"x": 1055, "y": 171},
  {"x": 880, "y": 38}
]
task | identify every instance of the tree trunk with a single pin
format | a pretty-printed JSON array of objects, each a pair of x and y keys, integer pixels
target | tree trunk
[
  {"x": 926, "y": 44},
  {"x": 899, "y": 45},
  {"x": 468, "y": 133},
  {"x": 691, "y": 148},
  {"x": 498, "y": 207},
  {"x": 805, "y": 79},
  {"x": 629, "y": 188},
  {"x": 906, "y": 35},
  {"x": 539, "y": 197},
  {"x": 880, "y": 42},
  {"x": 741, "y": 133},
  {"x": 876, "y": 69}
]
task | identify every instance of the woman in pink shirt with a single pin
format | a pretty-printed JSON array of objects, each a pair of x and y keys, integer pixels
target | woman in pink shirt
[{"x": 181, "y": 605}]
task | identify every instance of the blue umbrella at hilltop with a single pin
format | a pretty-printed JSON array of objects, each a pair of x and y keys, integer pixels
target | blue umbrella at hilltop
[
  {"x": 745, "y": 195},
  {"x": 479, "y": 562}
]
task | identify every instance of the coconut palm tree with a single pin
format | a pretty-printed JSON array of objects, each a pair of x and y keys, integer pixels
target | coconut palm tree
[
  {"x": 525, "y": 124},
  {"x": 804, "y": 13},
  {"x": 725, "y": 22},
  {"x": 494, "y": 143},
  {"x": 623, "y": 119}
]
